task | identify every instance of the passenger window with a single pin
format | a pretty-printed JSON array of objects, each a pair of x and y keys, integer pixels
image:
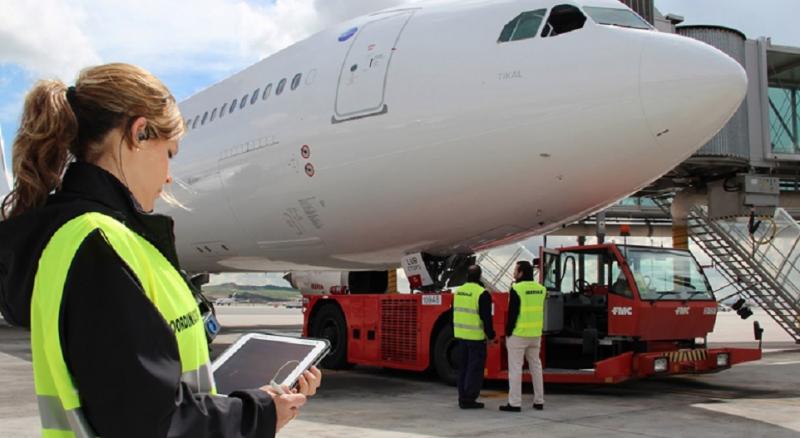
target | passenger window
[
  {"x": 267, "y": 92},
  {"x": 243, "y": 102},
  {"x": 563, "y": 19},
  {"x": 524, "y": 26},
  {"x": 222, "y": 110},
  {"x": 194, "y": 124},
  {"x": 281, "y": 86},
  {"x": 233, "y": 106},
  {"x": 205, "y": 117},
  {"x": 255, "y": 96},
  {"x": 296, "y": 81},
  {"x": 213, "y": 115}
]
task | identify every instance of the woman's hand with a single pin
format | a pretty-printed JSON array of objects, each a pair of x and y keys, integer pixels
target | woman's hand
[
  {"x": 309, "y": 381},
  {"x": 287, "y": 405}
]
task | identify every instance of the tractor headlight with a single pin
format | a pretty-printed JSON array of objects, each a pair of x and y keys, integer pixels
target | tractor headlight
[
  {"x": 660, "y": 365},
  {"x": 723, "y": 359}
]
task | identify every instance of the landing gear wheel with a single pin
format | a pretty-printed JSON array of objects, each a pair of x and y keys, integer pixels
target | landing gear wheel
[
  {"x": 329, "y": 324},
  {"x": 445, "y": 355}
]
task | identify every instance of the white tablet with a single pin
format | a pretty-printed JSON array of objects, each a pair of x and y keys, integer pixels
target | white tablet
[{"x": 256, "y": 359}]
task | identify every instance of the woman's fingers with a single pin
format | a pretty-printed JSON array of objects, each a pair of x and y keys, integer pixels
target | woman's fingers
[
  {"x": 309, "y": 382},
  {"x": 317, "y": 373},
  {"x": 287, "y": 407},
  {"x": 302, "y": 383}
]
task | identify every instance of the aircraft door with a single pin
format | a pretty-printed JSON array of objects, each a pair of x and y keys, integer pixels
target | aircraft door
[
  {"x": 362, "y": 81},
  {"x": 550, "y": 278}
]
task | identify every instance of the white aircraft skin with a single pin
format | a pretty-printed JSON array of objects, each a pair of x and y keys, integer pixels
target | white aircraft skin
[
  {"x": 426, "y": 134},
  {"x": 5, "y": 178}
]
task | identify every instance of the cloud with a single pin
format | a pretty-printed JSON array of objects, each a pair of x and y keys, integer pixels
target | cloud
[
  {"x": 56, "y": 38},
  {"x": 46, "y": 38},
  {"x": 330, "y": 12}
]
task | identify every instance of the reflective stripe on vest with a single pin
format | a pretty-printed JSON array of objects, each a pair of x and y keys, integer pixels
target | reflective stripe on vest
[
  {"x": 59, "y": 402},
  {"x": 467, "y": 322},
  {"x": 531, "y": 312}
]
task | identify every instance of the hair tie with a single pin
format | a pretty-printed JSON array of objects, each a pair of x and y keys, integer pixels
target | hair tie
[{"x": 71, "y": 95}]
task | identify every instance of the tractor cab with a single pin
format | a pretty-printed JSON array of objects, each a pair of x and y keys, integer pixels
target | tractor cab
[{"x": 603, "y": 299}]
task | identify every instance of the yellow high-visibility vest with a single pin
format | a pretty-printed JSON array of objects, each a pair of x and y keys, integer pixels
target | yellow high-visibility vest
[
  {"x": 467, "y": 322},
  {"x": 531, "y": 310},
  {"x": 59, "y": 401}
]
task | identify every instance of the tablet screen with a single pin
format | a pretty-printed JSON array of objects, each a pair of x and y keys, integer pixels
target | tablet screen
[{"x": 256, "y": 359}]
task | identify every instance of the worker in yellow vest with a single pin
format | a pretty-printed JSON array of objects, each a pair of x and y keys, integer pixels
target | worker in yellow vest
[
  {"x": 118, "y": 339},
  {"x": 472, "y": 327},
  {"x": 523, "y": 336}
]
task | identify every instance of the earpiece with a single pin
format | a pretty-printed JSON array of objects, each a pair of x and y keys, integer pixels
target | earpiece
[{"x": 141, "y": 136}]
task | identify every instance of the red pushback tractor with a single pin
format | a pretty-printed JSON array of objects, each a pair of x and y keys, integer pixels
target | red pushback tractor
[{"x": 612, "y": 313}]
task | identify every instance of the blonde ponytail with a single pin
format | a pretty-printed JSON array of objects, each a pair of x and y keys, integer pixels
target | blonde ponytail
[
  {"x": 60, "y": 123},
  {"x": 41, "y": 147}
]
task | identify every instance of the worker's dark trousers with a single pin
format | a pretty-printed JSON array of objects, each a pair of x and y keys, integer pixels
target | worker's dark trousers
[{"x": 472, "y": 360}]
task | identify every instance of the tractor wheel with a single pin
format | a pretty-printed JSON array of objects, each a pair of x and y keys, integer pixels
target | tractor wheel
[
  {"x": 445, "y": 355},
  {"x": 329, "y": 324}
]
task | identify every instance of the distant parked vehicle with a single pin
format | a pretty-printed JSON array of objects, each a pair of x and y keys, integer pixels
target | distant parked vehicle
[
  {"x": 294, "y": 305},
  {"x": 224, "y": 301}
]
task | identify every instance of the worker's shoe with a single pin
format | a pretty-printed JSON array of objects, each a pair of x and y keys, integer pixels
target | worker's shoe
[
  {"x": 509, "y": 408},
  {"x": 538, "y": 407},
  {"x": 470, "y": 405}
]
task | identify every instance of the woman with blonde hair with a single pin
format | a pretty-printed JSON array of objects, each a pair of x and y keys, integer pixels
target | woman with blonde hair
[{"x": 118, "y": 341}]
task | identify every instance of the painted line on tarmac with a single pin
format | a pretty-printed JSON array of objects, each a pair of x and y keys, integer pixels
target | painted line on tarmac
[
  {"x": 783, "y": 412},
  {"x": 762, "y": 363}
]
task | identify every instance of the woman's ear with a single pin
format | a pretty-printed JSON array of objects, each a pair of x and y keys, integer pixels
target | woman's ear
[{"x": 137, "y": 131}]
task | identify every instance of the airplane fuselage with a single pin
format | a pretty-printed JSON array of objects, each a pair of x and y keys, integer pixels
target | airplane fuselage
[{"x": 417, "y": 130}]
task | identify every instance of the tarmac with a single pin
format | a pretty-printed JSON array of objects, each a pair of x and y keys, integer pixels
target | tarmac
[{"x": 760, "y": 399}]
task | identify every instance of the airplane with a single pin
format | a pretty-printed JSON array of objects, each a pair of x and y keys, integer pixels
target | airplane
[
  {"x": 439, "y": 129},
  {"x": 436, "y": 130},
  {"x": 5, "y": 180}
]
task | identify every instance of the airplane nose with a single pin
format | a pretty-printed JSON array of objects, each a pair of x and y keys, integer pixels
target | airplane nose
[{"x": 689, "y": 90}]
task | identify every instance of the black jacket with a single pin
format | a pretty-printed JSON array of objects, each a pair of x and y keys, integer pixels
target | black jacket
[
  {"x": 485, "y": 312},
  {"x": 119, "y": 350},
  {"x": 514, "y": 304}
]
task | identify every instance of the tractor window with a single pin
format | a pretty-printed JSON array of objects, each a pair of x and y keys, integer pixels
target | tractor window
[
  {"x": 663, "y": 274},
  {"x": 563, "y": 19},
  {"x": 525, "y": 25},
  {"x": 619, "y": 285},
  {"x": 579, "y": 270},
  {"x": 550, "y": 267}
]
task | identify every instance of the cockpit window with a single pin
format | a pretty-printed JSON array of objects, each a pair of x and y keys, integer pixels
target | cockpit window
[
  {"x": 563, "y": 19},
  {"x": 524, "y": 26},
  {"x": 616, "y": 17}
]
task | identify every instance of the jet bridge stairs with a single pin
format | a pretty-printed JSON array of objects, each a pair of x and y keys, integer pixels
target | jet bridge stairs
[{"x": 763, "y": 267}]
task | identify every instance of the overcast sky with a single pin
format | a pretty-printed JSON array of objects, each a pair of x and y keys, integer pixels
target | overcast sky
[{"x": 193, "y": 44}]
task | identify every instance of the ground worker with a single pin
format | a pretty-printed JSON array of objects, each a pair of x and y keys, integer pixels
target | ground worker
[
  {"x": 472, "y": 327},
  {"x": 524, "y": 330},
  {"x": 118, "y": 341}
]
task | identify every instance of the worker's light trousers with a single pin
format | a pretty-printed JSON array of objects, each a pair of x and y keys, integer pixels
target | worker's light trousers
[{"x": 520, "y": 348}]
